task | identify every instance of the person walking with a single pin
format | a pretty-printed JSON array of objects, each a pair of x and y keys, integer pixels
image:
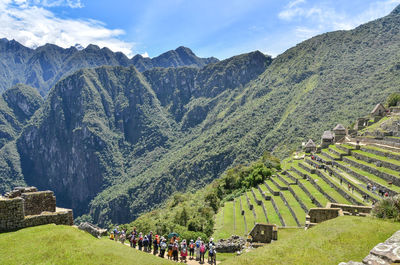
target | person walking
[
  {"x": 197, "y": 248},
  {"x": 145, "y": 244},
  {"x": 163, "y": 247},
  {"x": 175, "y": 249},
  {"x": 191, "y": 249},
  {"x": 184, "y": 251},
  {"x": 202, "y": 251}
]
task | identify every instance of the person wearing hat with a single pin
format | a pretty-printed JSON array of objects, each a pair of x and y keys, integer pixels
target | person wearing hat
[
  {"x": 191, "y": 249},
  {"x": 163, "y": 247},
  {"x": 184, "y": 251},
  {"x": 175, "y": 248},
  {"x": 197, "y": 248}
]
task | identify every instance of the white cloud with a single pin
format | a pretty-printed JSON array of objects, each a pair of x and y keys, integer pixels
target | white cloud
[
  {"x": 325, "y": 18},
  {"x": 145, "y": 55},
  {"x": 31, "y": 24}
]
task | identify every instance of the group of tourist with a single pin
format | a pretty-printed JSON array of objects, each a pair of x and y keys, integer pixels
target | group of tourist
[{"x": 172, "y": 247}]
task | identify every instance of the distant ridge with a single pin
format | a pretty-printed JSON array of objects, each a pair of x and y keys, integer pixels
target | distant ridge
[{"x": 44, "y": 66}]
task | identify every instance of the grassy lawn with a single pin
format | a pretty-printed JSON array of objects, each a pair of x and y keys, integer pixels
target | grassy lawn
[
  {"x": 248, "y": 213},
  {"x": 318, "y": 195},
  {"x": 298, "y": 211},
  {"x": 381, "y": 158},
  {"x": 258, "y": 209},
  {"x": 381, "y": 169},
  {"x": 272, "y": 215},
  {"x": 385, "y": 151},
  {"x": 342, "y": 239},
  {"x": 334, "y": 147},
  {"x": 51, "y": 244},
  {"x": 327, "y": 152},
  {"x": 303, "y": 196},
  {"x": 224, "y": 228},
  {"x": 239, "y": 228}
]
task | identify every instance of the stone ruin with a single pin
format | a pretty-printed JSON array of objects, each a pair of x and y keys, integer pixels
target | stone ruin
[
  {"x": 264, "y": 233},
  {"x": 230, "y": 245},
  {"x": 92, "y": 229},
  {"x": 333, "y": 210},
  {"x": 26, "y": 207}
]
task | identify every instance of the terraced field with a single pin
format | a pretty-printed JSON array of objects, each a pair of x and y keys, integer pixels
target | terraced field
[{"x": 342, "y": 173}]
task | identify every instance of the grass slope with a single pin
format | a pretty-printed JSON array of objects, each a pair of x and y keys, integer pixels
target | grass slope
[
  {"x": 341, "y": 239},
  {"x": 51, "y": 244}
]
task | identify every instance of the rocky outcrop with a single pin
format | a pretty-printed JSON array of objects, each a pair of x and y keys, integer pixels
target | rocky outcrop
[{"x": 92, "y": 229}]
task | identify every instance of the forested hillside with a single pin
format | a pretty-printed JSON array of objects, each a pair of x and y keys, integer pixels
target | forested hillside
[{"x": 114, "y": 142}]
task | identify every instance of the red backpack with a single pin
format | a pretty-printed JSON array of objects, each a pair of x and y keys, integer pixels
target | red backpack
[{"x": 202, "y": 249}]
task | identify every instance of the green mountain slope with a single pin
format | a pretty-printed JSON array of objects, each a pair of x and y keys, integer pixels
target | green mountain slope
[{"x": 17, "y": 105}]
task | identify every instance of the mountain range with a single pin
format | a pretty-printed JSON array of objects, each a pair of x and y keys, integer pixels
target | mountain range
[
  {"x": 44, "y": 66},
  {"x": 117, "y": 140}
]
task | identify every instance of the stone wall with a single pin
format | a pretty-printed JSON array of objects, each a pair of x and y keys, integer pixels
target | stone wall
[
  {"x": 11, "y": 213},
  {"x": 38, "y": 202},
  {"x": 318, "y": 215},
  {"x": 60, "y": 217},
  {"x": 31, "y": 208},
  {"x": 352, "y": 209},
  {"x": 264, "y": 233}
]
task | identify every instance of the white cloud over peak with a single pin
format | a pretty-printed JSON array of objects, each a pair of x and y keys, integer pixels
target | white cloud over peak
[{"x": 30, "y": 23}]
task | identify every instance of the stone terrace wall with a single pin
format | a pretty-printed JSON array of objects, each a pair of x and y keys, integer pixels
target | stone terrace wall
[
  {"x": 31, "y": 208},
  {"x": 60, "y": 217},
  {"x": 353, "y": 209},
  {"x": 38, "y": 202},
  {"x": 318, "y": 215},
  {"x": 11, "y": 213}
]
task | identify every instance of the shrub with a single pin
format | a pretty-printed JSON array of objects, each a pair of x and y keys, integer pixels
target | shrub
[{"x": 388, "y": 208}]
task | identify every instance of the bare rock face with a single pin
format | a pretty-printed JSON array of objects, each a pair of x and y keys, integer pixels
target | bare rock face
[
  {"x": 230, "y": 245},
  {"x": 93, "y": 229}
]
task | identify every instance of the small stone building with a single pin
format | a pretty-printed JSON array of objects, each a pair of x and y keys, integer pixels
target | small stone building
[
  {"x": 26, "y": 207},
  {"x": 327, "y": 139},
  {"x": 310, "y": 146},
  {"x": 264, "y": 233},
  {"x": 361, "y": 123},
  {"x": 340, "y": 133},
  {"x": 378, "y": 111}
]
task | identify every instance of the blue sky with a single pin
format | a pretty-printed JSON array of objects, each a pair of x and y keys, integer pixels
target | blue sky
[{"x": 220, "y": 28}]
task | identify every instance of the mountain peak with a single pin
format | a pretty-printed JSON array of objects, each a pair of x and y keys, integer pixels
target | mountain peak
[
  {"x": 184, "y": 50},
  {"x": 396, "y": 11}
]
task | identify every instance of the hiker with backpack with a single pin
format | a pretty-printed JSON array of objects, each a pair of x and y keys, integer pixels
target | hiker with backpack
[
  {"x": 150, "y": 238},
  {"x": 170, "y": 245},
  {"x": 156, "y": 243},
  {"x": 197, "y": 248},
  {"x": 133, "y": 241},
  {"x": 140, "y": 241},
  {"x": 184, "y": 251},
  {"x": 145, "y": 244},
  {"x": 191, "y": 249},
  {"x": 211, "y": 251},
  {"x": 175, "y": 249},
  {"x": 202, "y": 250},
  {"x": 163, "y": 247}
]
